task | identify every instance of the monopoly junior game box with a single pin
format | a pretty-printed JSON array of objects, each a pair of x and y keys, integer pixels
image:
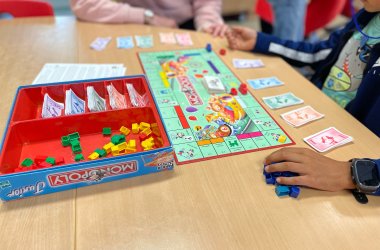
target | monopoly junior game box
[{"x": 73, "y": 134}]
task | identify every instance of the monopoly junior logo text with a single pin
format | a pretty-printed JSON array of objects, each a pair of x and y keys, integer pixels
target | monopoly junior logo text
[{"x": 91, "y": 174}]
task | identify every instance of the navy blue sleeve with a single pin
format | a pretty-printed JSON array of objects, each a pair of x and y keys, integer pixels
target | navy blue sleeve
[{"x": 299, "y": 53}]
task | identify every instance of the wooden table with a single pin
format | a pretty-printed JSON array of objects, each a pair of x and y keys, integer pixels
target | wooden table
[{"x": 217, "y": 204}]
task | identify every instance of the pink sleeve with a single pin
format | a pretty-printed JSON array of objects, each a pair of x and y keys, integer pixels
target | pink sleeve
[
  {"x": 207, "y": 12},
  {"x": 106, "y": 11}
]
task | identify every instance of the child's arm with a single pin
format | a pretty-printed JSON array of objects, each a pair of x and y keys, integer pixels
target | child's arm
[
  {"x": 106, "y": 11},
  {"x": 207, "y": 13}
]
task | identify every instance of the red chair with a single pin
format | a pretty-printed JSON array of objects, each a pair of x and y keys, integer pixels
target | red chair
[
  {"x": 26, "y": 8},
  {"x": 319, "y": 12}
]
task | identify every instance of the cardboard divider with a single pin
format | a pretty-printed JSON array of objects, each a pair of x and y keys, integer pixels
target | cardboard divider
[{"x": 25, "y": 139}]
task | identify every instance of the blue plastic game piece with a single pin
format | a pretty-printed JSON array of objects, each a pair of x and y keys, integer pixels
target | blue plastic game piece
[
  {"x": 208, "y": 47},
  {"x": 270, "y": 180},
  {"x": 294, "y": 191},
  {"x": 282, "y": 190}
]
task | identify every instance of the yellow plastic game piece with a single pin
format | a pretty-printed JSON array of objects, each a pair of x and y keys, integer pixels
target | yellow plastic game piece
[
  {"x": 135, "y": 128},
  {"x": 93, "y": 156},
  {"x": 130, "y": 150},
  {"x": 125, "y": 131},
  {"x": 148, "y": 143},
  {"x": 281, "y": 138},
  {"x": 147, "y": 131},
  {"x": 144, "y": 125},
  {"x": 108, "y": 147},
  {"x": 132, "y": 144}
]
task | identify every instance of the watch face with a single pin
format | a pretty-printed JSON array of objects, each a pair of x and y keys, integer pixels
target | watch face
[{"x": 367, "y": 173}]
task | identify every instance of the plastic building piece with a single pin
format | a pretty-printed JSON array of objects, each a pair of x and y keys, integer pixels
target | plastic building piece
[
  {"x": 233, "y": 91},
  {"x": 59, "y": 160},
  {"x": 93, "y": 156},
  {"x": 222, "y": 52},
  {"x": 142, "y": 136},
  {"x": 107, "y": 131},
  {"x": 135, "y": 128},
  {"x": 117, "y": 139},
  {"x": 74, "y": 136},
  {"x": 243, "y": 88},
  {"x": 282, "y": 190},
  {"x": 281, "y": 139},
  {"x": 27, "y": 162},
  {"x": 45, "y": 164},
  {"x": 40, "y": 158},
  {"x": 209, "y": 47},
  {"x": 65, "y": 140},
  {"x": 50, "y": 160},
  {"x": 108, "y": 147},
  {"x": 101, "y": 152},
  {"x": 119, "y": 149},
  {"x": 132, "y": 144},
  {"x": 294, "y": 191},
  {"x": 270, "y": 178},
  {"x": 78, "y": 157},
  {"x": 148, "y": 143},
  {"x": 144, "y": 125},
  {"x": 124, "y": 130},
  {"x": 75, "y": 146}
]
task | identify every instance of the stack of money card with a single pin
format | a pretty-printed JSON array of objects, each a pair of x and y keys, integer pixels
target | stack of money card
[
  {"x": 94, "y": 101},
  {"x": 73, "y": 104}
]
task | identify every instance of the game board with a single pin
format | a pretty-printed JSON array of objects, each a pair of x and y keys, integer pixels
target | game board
[{"x": 201, "y": 125}]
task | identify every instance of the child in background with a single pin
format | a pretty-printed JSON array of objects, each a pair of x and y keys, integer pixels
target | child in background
[
  {"x": 202, "y": 15},
  {"x": 347, "y": 70}
]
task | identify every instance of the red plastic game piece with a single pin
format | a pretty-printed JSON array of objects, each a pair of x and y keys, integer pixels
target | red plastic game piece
[
  {"x": 59, "y": 160},
  {"x": 243, "y": 88},
  {"x": 222, "y": 52},
  {"x": 233, "y": 91}
]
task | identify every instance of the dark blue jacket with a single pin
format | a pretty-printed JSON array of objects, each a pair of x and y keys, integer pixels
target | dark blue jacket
[{"x": 323, "y": 55}]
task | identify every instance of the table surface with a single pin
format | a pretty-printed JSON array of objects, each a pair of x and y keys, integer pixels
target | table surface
[{"x": 216, "y": 204}]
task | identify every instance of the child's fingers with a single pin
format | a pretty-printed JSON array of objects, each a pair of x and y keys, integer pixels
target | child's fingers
[{"x": 291, "y": 181}]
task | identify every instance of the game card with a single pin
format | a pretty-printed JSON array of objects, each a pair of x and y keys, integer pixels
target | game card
[
  {"x": 117, "y": 100},
  {"x": 247, "y": 63},
  {"x": 301, "y": 116},
  {"x": 327, "y": 139},
  {"x": 94, "y": 101},
  {"x": 144, "y": 41},
  {"x": 124, "y": 42},
  {"x": 184, "y": 39},
  {"x": 167, "y": 38},
  {"x": 73, "y": 104},
  {"x": 262, "y": 83},
  {"x": 100, "y": 43},
  {"x": 281, "y": 101},
  {"x": 51, "y": 108}
]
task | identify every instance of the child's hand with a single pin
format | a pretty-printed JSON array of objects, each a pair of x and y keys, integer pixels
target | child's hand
[
  {"x": 315, "y": 170},
  {"x": 216, "y": 29},
  {"x": 241, "y": 38}
]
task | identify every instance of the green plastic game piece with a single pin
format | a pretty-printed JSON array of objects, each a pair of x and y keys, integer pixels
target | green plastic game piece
[
  {"x": 65, "y": 140},
  {"x": 74, "y": 136},
  {"x": 117, "y": 139},
  {"x": 78, "y": 157},
  {"x": 101, "y": 152},
  {"x": 50, "y": 160},
  {"x": 107, "y": 131},
  {"x": 27, "y": 162},
  {"x": 75, "y": 146}
]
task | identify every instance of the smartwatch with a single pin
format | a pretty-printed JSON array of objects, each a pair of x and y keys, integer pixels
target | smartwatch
[
  {"x": 148, "y": 16},
  {"x": 365, "y": 175}
]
